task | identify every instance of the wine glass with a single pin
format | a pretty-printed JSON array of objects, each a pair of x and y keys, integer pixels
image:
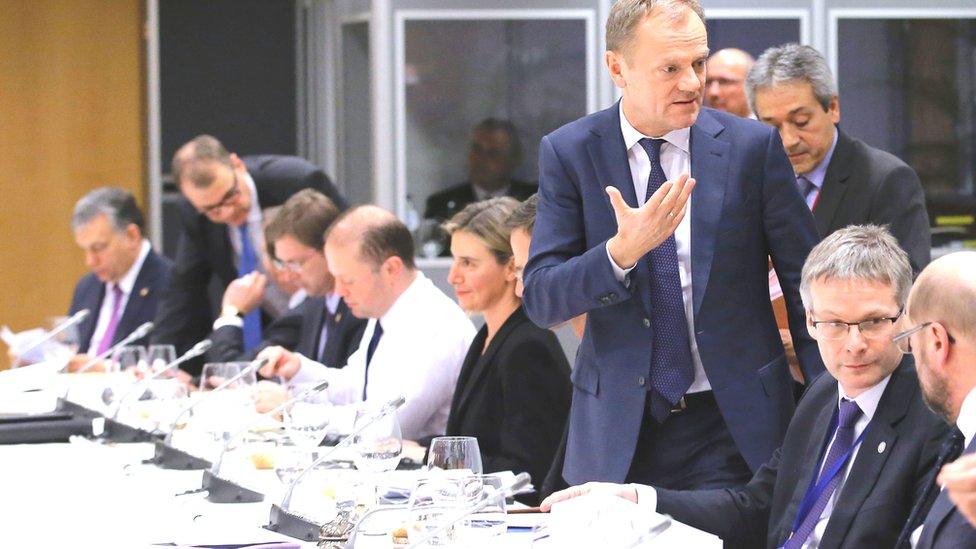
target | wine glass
[
  {"x": 130, "y": 356},
  {"x": 378, "y": 441},
  {"x": 159, "y": 357},
  {"x": 68, "y": 339},
  {"x": 305, "y": 424},
  {"x": 455, "y": 453},
  {"x": 215, "y": 373},
  {"x": 482, "y": 527}
]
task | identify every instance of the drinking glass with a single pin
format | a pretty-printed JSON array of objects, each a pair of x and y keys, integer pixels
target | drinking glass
[
  {"x": 67, "y": 337},
  {"x": 305, "y": 424},
  {"x": 215, "y": 373},
  {"x": 435, "y": 501},
  {"x": 377, "y": 448},
  {"x": 455, "y": 453},
  {"x": 130, "y": 356},
  {"x": 159, "y": 356},
  {"x": 481, "y": 528}
]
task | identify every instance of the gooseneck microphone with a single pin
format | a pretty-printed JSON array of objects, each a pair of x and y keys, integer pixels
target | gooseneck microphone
[
  {"x": 64, "y": 325},
  {"x": 137, "y": 334}
]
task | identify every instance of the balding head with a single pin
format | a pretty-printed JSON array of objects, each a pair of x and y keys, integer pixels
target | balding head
[
  {"x": 370, "y": 253},
  {"x": 942, "y": 322},
  {"x": 726, "y": 72},
  {"x": 946, "y": 291}
]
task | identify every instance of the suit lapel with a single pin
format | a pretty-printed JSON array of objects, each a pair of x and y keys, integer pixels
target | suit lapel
[
  {"x": 92, "y": 302},
  {"x": 608, "y": 153},
  {"x": 312, "y": 319},
  {"x": 835, "y": 184},
  {"x": 941, "y": 509},
  {"x": 710, "y": 168},
  {"x": 482, "y": 364},
  {"x": 139, "y": 297},
  {"x": 871, "y": 456}
]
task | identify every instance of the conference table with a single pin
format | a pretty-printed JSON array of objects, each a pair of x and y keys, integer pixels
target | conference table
[{"x": 86, "y": 493}]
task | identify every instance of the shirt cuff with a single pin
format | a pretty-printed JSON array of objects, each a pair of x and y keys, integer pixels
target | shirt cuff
[
  {"x": 235, "y": 321},
  {"x": 646, "y": 497},
  {"x": 619, "y": 272},
  {"x": 310, "y": 371}
]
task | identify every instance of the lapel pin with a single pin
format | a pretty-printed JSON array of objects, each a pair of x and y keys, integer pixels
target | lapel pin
[
  {"x": 338, "y": 317},
  {"x": 881, "y": 447},
  {"x": 144, "y": 292}
]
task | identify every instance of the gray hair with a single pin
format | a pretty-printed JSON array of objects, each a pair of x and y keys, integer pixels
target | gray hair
[
  {"x": 792, "y": 63},
  {"x": 117, "y": 204},
  {"x": 858, "y": 252},
  {"x": 626, "y": 15}
]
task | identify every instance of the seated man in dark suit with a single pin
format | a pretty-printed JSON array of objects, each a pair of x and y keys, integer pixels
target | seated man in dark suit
[
  {"x": 495, "y": 153},
  {"x": 127, "y": 277},
  {"x": 941, "y": 333},
  {"x": 321, "y": 327},
  {"x": 859, "y": 449},
  {"x": 844, "y": 181},
  {"x": 222, "y": 236}
]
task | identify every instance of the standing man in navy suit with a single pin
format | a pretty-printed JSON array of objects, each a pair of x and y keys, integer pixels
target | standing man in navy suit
[
  {"x": 127, "y": 277},
  {"x": 941, "y": 335},
  {"x": 680, "y": 379}
]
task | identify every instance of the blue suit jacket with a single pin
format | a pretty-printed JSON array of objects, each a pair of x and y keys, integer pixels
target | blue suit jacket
[
  {"x": 140, "y": 308},
  {"x": 745, "y": 207}
]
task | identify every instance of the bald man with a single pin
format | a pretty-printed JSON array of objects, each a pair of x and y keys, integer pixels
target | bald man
[
  {"x": 414, "y": 342},
  {"x": 725, "y": 79},
  {"x": 941, "y": 334}
]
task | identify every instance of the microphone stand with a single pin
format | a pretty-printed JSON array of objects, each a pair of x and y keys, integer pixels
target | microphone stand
[
  {"x": 135, "y": 335},
  {"x": 282, "y": 520}
]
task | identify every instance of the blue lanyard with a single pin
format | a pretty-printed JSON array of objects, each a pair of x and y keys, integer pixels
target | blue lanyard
[{"x": 819, "y": 485}]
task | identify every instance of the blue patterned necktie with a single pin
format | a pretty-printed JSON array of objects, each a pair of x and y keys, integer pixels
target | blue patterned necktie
[
  {"x": 249, "y": 263},
  {"x": 807, "y": 189},
  {"x": 671, "y": 367},
  {"x": 842, "y": 448}
]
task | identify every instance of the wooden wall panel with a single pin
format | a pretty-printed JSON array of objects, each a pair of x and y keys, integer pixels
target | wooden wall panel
[{"x": 71, "y": 119}]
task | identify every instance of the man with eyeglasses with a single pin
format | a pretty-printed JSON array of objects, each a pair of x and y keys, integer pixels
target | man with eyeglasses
[
  {"x": 221, "y": 238},
  {"x": 322, "y": 326},
  {"x": 725, "y": 81},
  {"x": 862, "y": 443},
  {"x": 941, "y": 334}
]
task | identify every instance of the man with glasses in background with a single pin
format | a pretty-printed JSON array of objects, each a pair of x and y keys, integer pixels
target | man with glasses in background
[
  {"x": 862, "y": 444},
  {"x": 941, "y": 334},
  {"x": 725, "y": 81},
  {"x": 221, "y": 237},
  {"x": 322, "y": 326}
]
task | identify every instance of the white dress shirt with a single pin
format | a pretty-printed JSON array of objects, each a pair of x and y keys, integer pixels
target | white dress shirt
[
  {"x": 867, "y": 401},
  {"x": 125, "y": 284},
  {"x": 425, "y": 339},
  {"x": 675, "y": 160}
]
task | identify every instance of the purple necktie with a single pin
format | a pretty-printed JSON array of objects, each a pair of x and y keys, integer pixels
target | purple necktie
[
  {"x": 671, "y": 369},
  {"x": 842, "y": 448},
  {"x": 113, "y": 321}
]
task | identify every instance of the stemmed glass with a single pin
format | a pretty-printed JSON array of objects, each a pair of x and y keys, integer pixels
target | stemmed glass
[
  {"x": 455, "y": 453},
  {"x": 376, "y": 447},
  {"x": 159, "y": 356}
]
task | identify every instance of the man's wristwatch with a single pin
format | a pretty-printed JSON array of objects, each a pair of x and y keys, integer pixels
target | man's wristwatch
[{"x": 230, "y": 310}]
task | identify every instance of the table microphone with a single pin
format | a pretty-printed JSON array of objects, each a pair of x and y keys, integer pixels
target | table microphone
[
  {"x": 296, "y": 526},
  {"x": 195, "y": 351},
  {"x": 136, "y": 335},
  {"x": 221, "y": 490},
  {"x": 521, "y": 480},
  {"x": 64, "y": 325}
]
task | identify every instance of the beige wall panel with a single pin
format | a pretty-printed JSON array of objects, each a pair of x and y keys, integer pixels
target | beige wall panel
[{"x": 71, "y": 119}]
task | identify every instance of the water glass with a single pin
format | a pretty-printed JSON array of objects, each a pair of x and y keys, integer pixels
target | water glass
[
  {"x": 378, "y": 446},
  {"x": 481, "y": 528},
  {"x": 216, "y": 373},
  {"x": 159, "y": 356},
  {"x": 455, "y": 453},
  {"x": 129, "y": 357}
]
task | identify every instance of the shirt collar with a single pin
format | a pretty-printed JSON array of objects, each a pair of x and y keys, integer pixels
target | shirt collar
[
  {"x": 332, "y": 302},
  {"x": 679, "y": 138},
  {"x": 254, "y": 214},
  {"x": 129, "y": 279},
  {"x": 817, "y": 174},
  {"x": 967, "y": 416},
  {"x": 404, "y": 310},
  {"x": 868, "y": 400}
]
